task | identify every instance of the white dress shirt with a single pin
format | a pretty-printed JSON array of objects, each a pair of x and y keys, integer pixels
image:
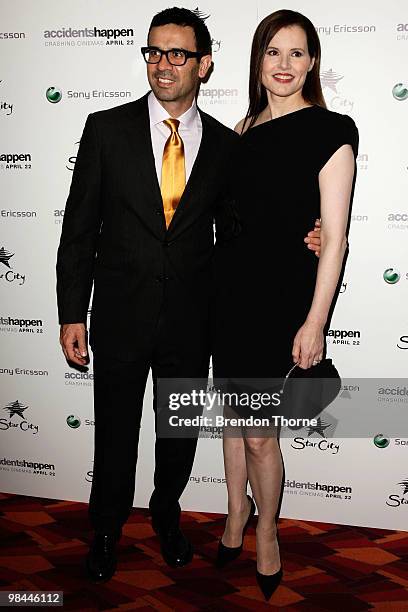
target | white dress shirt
[{"x": 190, "y": 130}]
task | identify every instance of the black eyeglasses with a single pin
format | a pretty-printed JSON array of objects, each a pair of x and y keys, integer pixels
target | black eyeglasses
[{"x": 175, "y": 57}]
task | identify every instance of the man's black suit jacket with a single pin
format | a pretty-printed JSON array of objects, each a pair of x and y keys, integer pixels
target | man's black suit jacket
[{"x": 114, "y": 235}]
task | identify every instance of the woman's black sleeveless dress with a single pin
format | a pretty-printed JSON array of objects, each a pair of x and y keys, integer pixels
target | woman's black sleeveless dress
[{"x": 265, "y": 276}]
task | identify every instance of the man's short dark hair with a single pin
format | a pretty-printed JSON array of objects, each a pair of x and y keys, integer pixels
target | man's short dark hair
[{"x": 184, "y": 17}]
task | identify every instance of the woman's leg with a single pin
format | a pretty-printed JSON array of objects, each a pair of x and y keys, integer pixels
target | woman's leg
[
  {"x": 265, "y": 470},
  {"x": 237, "y": 478}
]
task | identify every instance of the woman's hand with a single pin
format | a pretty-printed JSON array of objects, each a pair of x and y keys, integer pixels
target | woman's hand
[{"x": 308, "y": 345}]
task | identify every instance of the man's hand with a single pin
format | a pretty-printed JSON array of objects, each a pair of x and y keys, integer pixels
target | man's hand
[
  {"x": 73, "y": 343},
  {"x": 313, "y": 239}
]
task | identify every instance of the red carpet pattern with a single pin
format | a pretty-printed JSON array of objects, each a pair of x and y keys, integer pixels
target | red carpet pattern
[{"x": 326, "y": 567}]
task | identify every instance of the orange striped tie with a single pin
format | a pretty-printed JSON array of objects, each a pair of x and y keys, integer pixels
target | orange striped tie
[{"x": 173, "y": 177}]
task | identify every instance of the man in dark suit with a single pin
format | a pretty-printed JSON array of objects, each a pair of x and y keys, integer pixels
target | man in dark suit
[{"x": 148, "y": 183}]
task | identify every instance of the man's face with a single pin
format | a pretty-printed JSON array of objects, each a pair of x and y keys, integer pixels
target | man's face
[{"x": 175, "y": 83}]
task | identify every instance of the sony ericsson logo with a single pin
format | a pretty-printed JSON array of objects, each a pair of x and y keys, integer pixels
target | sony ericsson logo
[
  {"x": 53, "y": 94},
  {"x": 400, "y": 92},
  {"x": 391, "y": 276},
  {"x": 396, "y": 500},
  {"x": 73, "y": 421},
  {"x": 338, "y": 28},
  {"x": 16, "y": 409},
  {"x": 11, "y": 35},
  {"x": 380, "y": 441}
]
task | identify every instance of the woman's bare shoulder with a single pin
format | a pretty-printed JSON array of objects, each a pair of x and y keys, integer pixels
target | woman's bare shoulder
[{"x": 240, "y": 125}]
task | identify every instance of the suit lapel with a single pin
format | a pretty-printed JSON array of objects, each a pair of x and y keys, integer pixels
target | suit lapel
[{"x": 148, "y": 200}]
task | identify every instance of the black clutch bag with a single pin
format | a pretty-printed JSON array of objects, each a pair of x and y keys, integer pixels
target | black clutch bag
[{"x": 306, "y": 393}]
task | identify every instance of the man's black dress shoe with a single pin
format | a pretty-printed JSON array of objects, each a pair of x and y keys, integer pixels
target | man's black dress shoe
[
  {"x": 101, "y": 559},
  {"x": 176, "y": 549}
]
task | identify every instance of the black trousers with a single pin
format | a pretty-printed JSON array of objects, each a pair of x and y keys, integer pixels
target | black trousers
[{"x": 179, "y": 350}]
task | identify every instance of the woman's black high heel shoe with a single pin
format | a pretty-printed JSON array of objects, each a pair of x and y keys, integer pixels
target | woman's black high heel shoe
[
  {"x": 226, "y": 554},
  {"x": 268, "y": 583}
]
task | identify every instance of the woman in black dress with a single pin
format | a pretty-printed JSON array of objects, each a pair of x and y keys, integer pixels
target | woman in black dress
[{"x": 295, "y": 161}]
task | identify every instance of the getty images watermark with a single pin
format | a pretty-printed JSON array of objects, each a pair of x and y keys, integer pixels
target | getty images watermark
[{"x": 197, "y": 408}]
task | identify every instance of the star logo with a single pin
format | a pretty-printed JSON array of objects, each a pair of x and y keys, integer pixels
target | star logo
[
  {"x": 404, "y": 485},
  {"x": 200, "y": 14},
  {"x": 5, "y": 256},
  {"x": 319, "y": 428},
  {"x": 216, "y": 45},
  {"x": 16, "y": 408},
  {"x": 330, "y": 79}
]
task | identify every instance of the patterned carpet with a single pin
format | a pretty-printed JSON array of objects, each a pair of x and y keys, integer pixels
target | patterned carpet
[{"x": 326, "y": 567}]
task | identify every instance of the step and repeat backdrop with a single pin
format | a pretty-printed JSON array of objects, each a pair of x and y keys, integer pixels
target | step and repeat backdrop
[{"x": 61, "y": 61}]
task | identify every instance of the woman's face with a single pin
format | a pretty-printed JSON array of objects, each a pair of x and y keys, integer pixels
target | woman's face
[{"x": 286, "y": 62}]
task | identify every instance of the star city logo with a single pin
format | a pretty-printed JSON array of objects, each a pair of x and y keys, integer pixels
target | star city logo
[
  {"x": 16, "y": 408},
  {"x": 396, "y": 500},
  {"x": 381, "y": 441},
  {"x": 200, "y": 14},
  {"x": 330, "y": 79},
  {"x": 322, "y": 443},
  {"x": 403, "y": 343},
  {"x": 391, "y": 276},
  {"x": 320, "y": 428},
  {"x": 400, "y": 92},
  {"x": 5, "y": 256},
  {"x": 6, "y": 106},
  {"x": 404, "y": 485},
  {"x": 10, "y": 276},
  {"x": 53, "y": 94},
  {"x": 334, "y": 98},
  {"x": 72, "y": 160},
  {"x": 215, "y": 44}
]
